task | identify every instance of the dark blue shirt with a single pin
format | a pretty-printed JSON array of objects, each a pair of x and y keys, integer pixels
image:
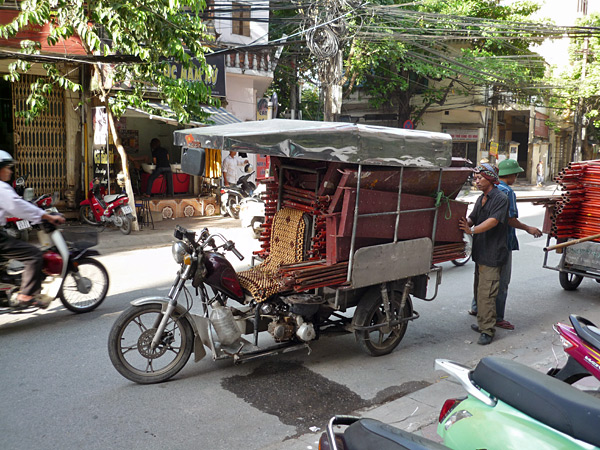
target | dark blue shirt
[{"x": 512, "y": 241}]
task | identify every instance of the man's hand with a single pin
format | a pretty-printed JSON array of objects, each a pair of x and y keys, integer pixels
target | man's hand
[
  {"x": 54, "y": 219},
  {"x": 463, "y": 224},
  {"x": 536, "y": 232}
]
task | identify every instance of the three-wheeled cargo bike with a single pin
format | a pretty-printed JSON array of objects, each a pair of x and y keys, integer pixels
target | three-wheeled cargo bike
[{"x": 356, "y": 219}]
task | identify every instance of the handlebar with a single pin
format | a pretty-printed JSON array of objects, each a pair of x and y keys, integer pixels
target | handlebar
[{"x": 207, "y": 240}]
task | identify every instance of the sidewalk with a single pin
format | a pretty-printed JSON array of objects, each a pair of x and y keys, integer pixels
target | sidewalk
[{"x": 111, "y": 240}]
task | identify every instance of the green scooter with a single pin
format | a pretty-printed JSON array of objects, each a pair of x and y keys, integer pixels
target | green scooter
[{"x": 512, "y": 406}]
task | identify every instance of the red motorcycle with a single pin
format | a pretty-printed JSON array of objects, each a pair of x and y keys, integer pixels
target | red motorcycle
[
  {"x": 581, "y": 342},
  {"x": 19, "y": 228},
  {"x": 100, "y": 209}
]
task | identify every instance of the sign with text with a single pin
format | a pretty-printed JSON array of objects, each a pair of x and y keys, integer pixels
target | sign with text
[
  {"x": 462, "y": 135},
  {"x": 216, "y": 80}
]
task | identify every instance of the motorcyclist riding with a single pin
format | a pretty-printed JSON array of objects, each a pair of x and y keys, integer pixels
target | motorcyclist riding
[{"x": 13, "y": 205}]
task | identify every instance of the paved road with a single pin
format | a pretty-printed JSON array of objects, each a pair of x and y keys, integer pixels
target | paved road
[{"x": 60, "y": 390}]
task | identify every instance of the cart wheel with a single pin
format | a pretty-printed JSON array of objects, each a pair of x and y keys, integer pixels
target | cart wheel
[
  {"x": 569, "y": 281},
  {"x": 370, "y": 311}
]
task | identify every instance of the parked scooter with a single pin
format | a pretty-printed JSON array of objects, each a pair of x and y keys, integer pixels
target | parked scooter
[
  {"x": 20, "y": 228},
  {"x": 252, "y": 211},
  {"x": 113, "y": 209},
  {"x": 512, "y": 406},
  {"x": 370, "y": 434},
  {"x": 231, "y": 196},
  {"x": 80, "y": 281},
  {"x": 582, "y": 343}
]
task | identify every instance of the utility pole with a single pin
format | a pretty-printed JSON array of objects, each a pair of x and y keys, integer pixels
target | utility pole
[
  {"x": 325, "y": 26},
  {"x": 579, "y": 125}
]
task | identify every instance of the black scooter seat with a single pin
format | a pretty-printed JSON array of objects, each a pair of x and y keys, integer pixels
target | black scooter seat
[
  {"x": 370, "y": 434},
  {"x": 586, "y": 330},
  {"x": 546, "y": 399}
]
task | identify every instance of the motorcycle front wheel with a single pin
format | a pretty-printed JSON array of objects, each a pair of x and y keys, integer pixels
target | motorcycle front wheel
[
  {"x": 86, "y": 215},
  {"x": 85, "y": 288},
  {"x": 129, "y": 344}
]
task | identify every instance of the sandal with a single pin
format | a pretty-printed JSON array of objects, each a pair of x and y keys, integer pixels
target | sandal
[
  {"x": 471, "y": 312},
  {"x": 505, "y": 324}
]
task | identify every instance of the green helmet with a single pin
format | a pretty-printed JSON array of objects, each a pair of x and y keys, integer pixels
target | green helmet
[{"x": 508, "y": 167}]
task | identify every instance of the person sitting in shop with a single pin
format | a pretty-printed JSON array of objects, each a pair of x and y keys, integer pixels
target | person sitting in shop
[{"x": 160, "y": 158}]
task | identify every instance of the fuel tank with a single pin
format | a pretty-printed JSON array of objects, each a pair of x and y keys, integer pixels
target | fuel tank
[{"x": 220, "y": 275}]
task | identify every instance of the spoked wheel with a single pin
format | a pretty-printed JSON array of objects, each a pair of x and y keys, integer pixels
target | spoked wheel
[
  {"x": 233, "y": 208},
  {"x": 569, "y": 281},
  {"x": 87, "y": 216},
  {"x": 125, "y": 222},
  {"x": 370, "y": 311},
  {"x": 83, "y": 291},
  {"x": 129, "y": 345},
  {"x": 468, "y": 240}
]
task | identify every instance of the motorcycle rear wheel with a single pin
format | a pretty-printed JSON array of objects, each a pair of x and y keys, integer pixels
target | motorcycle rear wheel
[
  {"x": 84, "y": 290},
  {"x": 370, "y": 311},
  {"x": 125, "y": 223},
  {"x": 12, "y": 230},
  {"x": 233, "y": 208},
  {"x": 87, "y": 216},
  {"x": 129, "y": 344}
]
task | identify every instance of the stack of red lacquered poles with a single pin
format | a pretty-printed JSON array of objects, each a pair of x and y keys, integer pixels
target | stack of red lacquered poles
[
  {"x": 577, "y": 213},
  {"x": 448, "y": 252},
  {"x": 305, "y": 276},
  {"x": 270, "y": 199}
]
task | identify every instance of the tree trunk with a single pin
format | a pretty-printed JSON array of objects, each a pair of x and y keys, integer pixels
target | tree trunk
[{"x": 123, "y": 155}]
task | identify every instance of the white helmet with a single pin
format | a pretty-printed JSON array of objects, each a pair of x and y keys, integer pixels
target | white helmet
[{"x": 6, "y": 159}]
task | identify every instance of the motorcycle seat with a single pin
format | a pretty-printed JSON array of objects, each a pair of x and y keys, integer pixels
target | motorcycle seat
[
  {"x": 370, "y": 433},
  {"x": 113, "y": 197},
  {"x": 586, "y": 330},
  {"x": 546, "y": 399}
]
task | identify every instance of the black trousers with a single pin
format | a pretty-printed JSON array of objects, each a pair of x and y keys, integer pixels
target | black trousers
[
  {"x": 167, "y": 175},
  {"x": 30, "y": 256}
]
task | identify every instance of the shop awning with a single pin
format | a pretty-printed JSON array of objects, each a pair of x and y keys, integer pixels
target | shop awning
[{"x": 218, "y": 116}]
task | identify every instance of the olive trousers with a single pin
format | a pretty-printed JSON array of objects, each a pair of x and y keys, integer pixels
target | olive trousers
[{"x": 486, "y": 284}]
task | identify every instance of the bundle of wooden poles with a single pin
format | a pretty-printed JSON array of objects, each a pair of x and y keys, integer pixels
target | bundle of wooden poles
[
  {"x": 300, "y": 199},
  {"x": 448, "y": 252},
  {"x": 577, "y": 213},
  {"x": 311, "y": 275}
]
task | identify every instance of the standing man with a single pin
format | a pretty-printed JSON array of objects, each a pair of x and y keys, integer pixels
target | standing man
[
  {"x": 13, "y": 205},
  {"x": 540, "y": 173},
  {"x": 507, "y": 172},
  {"x": 230, "y": 168},
  {"x": 488, "y": 225},
  {"x": 160, "y": 158}
]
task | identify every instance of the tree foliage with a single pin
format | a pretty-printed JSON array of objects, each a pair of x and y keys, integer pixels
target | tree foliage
[
  {"x": 407, "y": 64},
  {"x": 576, "y": 88},
  {"x": 139, "y": 38}
]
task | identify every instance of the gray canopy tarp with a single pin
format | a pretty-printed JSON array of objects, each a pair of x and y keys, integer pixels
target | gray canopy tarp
[{"x": 325, "y": 141}]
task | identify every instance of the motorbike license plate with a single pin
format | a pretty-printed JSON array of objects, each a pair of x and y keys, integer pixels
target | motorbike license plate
[
  {"x": 126, "y": 209},
  {"x": 23, "y": 224}
]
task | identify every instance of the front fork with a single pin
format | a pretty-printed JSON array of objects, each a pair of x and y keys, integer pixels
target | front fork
[{"x": 173, "y": 296}]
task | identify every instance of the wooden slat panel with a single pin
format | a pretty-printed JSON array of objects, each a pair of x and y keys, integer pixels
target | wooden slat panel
[{"x": 40, "y": 147}]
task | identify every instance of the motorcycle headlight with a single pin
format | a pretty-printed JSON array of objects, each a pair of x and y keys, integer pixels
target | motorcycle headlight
[{"x": 179, "y": 250}]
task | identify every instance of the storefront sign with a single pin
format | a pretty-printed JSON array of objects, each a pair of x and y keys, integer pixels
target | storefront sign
[
  {"x": 463, "y": 135},
  {"x": 216, "y": 80}
]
